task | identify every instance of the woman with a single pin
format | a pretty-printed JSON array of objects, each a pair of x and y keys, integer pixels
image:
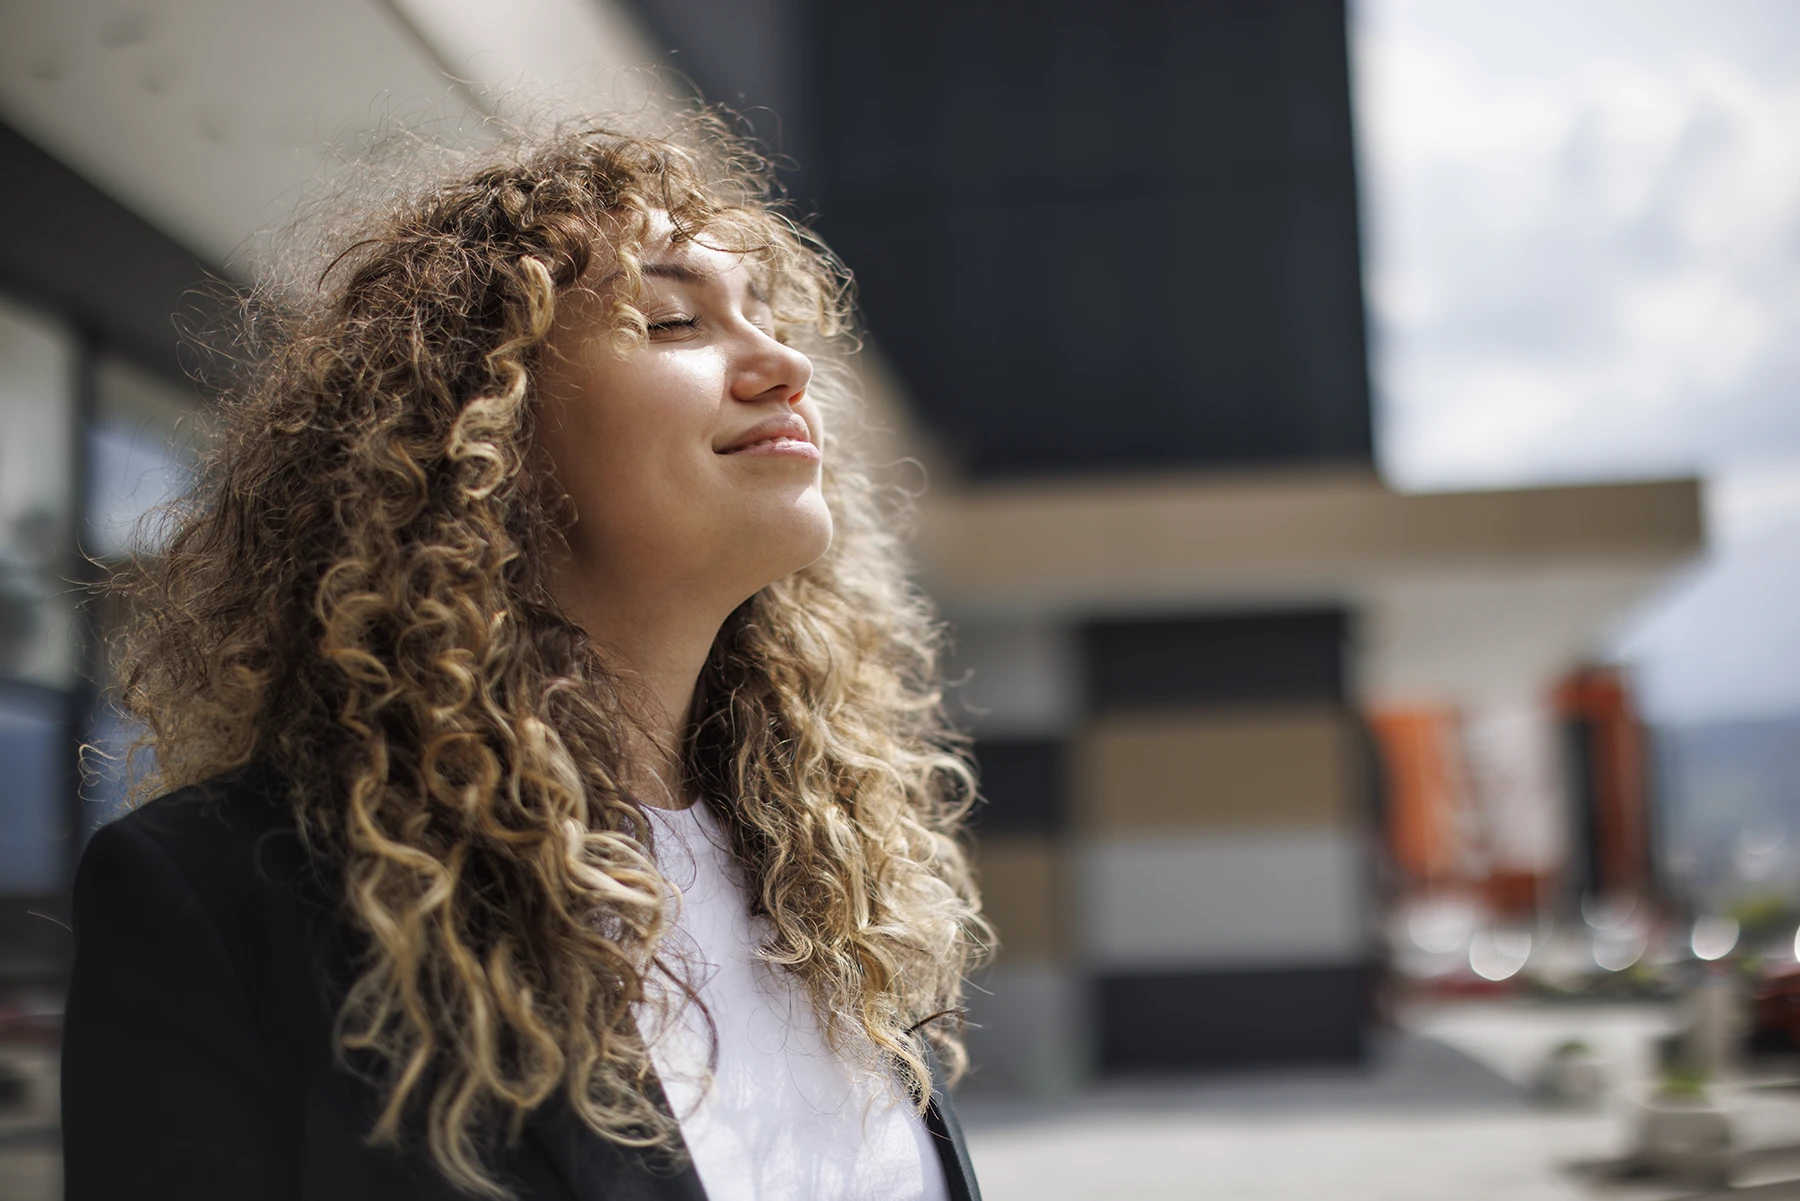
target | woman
[{"x": 562, "y": 806}]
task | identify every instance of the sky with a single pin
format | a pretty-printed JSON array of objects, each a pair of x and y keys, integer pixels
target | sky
[{"x": 1582, "y": 229}]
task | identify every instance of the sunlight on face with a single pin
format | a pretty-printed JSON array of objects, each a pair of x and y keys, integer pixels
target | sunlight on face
[{"x": 693, "y": 461}]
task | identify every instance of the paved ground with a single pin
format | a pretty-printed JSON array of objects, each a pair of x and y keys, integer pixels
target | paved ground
[
  {"x": 1441, "y": 1116},
  {"x": 1385, "y": 1157}
]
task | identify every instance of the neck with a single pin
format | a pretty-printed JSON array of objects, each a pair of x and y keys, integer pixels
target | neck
[{"x": 657, "y": 647}]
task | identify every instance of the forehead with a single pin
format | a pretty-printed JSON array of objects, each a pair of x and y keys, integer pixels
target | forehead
[
  {"x": 711, "y": 259},
  {"x": 705, "y": 251},
  {"x": 697, "y": 263},
  {"x": 693, "y": 261}
]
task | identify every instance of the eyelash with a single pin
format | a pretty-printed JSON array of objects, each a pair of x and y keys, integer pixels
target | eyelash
[{"x": 669, "y": 324}]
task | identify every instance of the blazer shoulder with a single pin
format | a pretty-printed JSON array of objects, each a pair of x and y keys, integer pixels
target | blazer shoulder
[
  {"x": 230, "y": 846},
  {"x": 185, "y": 1029},
  {"x": 237, "y": 806},
  {"x": 228, "y": 836}
]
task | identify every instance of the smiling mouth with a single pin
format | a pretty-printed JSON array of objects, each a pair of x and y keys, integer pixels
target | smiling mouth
[
  {"x": 786, "y": 435},
  {"x": 783, "y": 445}
]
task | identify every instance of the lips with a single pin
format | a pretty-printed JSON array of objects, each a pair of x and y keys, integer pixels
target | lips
[{"x": 768, "y": 435}]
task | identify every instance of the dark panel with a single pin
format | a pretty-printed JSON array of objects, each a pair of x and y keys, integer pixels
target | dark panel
[
  {"x": 1585, "y": 873},
  {"x": 745, "y": 55},
  {"x": 1177, "y": 1022},
  {"x": 69, "y": 247},
  {"x": 1257, "y": 658},
  {"x": 1022, "y": 784},
  {"x": 1095, "y": 235}
]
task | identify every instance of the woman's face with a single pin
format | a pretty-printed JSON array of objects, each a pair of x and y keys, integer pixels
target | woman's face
[{"x": 693, "y": 461}]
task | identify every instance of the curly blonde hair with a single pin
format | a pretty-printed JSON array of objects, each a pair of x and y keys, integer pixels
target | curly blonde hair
[{"x": 356, "y": 597}]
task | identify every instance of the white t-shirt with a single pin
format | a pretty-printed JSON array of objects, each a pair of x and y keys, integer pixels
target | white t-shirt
[{"x": 782, "y": 1116}]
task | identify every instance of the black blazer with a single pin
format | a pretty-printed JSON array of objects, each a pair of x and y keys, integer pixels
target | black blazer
[{"x": 197, "y": 1059}]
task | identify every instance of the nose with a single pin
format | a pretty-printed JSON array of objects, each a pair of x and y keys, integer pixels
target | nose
[{"x": 769, "y": 369}]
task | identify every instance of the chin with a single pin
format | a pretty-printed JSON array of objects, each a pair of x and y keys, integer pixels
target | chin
[
  {"x": 817, "y": 536},
  {"x": 803, "y": 536}
]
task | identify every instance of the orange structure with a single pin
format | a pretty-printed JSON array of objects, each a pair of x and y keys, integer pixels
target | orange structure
[
  {"x": 1439, "y": 826},
  {"x": 1611, "y": 789},
  {"x": 1426, "y": 793}
]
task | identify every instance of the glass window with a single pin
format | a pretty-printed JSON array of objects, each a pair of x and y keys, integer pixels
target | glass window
[
  {"x": 37, "y": 414},
  {"x": 142, "y": 445},
  {"x": 34, "y": 821},
  {"x": 141, "y": 451},
  {"x": 107, "y": 768}
]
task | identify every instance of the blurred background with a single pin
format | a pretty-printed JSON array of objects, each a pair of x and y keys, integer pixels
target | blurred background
[{"x": 1364, "y": 486}]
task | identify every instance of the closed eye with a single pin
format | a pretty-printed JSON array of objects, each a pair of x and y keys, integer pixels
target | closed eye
[{"x": 669, "y": 324}]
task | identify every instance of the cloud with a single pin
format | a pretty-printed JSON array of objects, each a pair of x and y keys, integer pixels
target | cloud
[
  {"x": 1723, "y": 644},
  {"x": 1748, "y": 504},
  {"x": 1583, "y": 238}
]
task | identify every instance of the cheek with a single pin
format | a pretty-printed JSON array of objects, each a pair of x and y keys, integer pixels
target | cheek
[
  {"x": 631, "y": 448},
  {"x": 659, "y": 409}
]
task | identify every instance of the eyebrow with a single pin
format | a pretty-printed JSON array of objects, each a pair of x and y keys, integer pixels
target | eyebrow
[
  {"x": 683, "y": 273},
  {"x": 677, "y": 271}
]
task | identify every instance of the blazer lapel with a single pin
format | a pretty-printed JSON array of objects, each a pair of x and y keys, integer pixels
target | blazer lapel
[
  {"x": 598, "y": 1169},
  {"x": 947, "y": 1137}
]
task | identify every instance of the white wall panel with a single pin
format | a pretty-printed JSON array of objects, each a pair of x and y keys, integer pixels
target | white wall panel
[
  {"x": 1029, "y": 1029},
  {"x": 1016, "y": 678},
  {"x": 1222, "y": 900}
]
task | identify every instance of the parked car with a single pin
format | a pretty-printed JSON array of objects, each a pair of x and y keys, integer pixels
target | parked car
[{"x": 1775, "y": 1013}]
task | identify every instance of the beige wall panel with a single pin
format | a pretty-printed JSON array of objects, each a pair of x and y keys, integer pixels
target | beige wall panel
[
  {"x": 1216, "y": 769},
  {"x": 1022, "y": 893}
]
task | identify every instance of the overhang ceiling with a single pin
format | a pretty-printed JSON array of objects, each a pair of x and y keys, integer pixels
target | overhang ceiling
[
  {"x": 1459, "y": 596},
  {"x": 212, "y": 119}
]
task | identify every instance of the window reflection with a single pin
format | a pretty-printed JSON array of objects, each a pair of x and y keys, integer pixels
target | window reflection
[
  {"x": 37, "y": 360},
  {"x": 34, "y": 825},
  {"x": 141, "y": 450}
]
